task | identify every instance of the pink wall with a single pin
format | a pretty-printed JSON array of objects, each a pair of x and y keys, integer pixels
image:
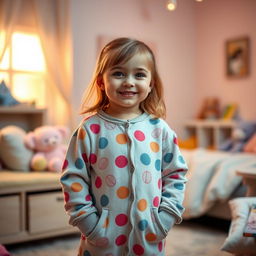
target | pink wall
[
  {"x": 189, "y": 48},
  {"x": 216, "y": 22},
  {"x": 173, "y": 34}
]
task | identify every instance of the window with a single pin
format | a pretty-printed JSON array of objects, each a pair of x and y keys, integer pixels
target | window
[{"x": 23, "y": 68}]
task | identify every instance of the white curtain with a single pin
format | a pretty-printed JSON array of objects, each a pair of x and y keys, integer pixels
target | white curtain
[
  {"x": 9, "y": 10},
  {"x": 53, "y": 25}
]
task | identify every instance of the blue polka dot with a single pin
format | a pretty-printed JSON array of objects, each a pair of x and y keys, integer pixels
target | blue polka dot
[
  {"x": 145, "y": 159},
  {"x": 104, "y": 200},
  {"x": 103, "y": 142},
  {"x": 86, "y": 253},
  {"x": 154, "y": 121},
  {"x": 79, "y": 163},
  {"x": 180, "y": 207},
  {"x": 166, "y": 194},
  {"x": 158, "y": 165},
  {"x": 143, "y": 224},
  {"x": 66, "y": 177},
  {"x": 181, "y": 159},
  {"x": 168, "y": 157},
  {"x": 179, "y": 186}
]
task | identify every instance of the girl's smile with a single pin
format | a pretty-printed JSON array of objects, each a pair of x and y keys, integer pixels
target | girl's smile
[{"x": 127, "y": 86}]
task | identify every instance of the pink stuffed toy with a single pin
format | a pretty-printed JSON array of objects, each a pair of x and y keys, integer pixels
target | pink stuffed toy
[{"x": 47, "y": 143}]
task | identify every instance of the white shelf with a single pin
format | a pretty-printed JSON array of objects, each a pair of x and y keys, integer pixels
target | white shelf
[
  {"x": 26, "y": 117},
  {"x": 209, "y": 133}
]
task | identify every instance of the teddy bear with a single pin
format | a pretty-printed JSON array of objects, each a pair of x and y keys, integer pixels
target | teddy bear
[
  {"x": 240, "y": 136},
  {"x": 49, "y": 149}
]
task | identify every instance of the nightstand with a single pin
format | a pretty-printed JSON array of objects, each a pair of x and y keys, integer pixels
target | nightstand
[{"x": 249, "y": 179}]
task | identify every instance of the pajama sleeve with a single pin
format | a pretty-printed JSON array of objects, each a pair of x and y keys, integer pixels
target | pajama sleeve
[
  {"x": 75, "y": 181},
  {"x": 174, "y": 170}
]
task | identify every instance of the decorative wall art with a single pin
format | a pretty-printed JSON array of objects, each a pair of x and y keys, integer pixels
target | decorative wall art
[{"x": 237, "y": 57}]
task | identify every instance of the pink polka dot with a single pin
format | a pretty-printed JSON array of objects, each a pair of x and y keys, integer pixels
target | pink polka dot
[
  {"x": 121, "y": 219},
  {"x": 88, "y": 198},
  {"x": 138, "y": 249},
  {"x": 65, "y": 164},
  {"x": 156, "y": 201},
  {"x": 175, "y": 176},
  {"x": 146, "y": 177},
  {"x": 120, "y": 240},
  {"x": 175, "y": 140},
  {"x": 85, "y": 158},
  {"x": 139, "y": 135},
  {"x": 103, "y": 163},
  {"x": 121, "y": 161},
  {"x": 98, "y": 182},
  {"x": 93, "y": 158},
  {"x": 159, "y": 183},
  {"x": 95, "y": 128},
  {"x": 110, "y": 180},
  {"x": 160, "y": 246},
  {"x": 66, "y": 196}
]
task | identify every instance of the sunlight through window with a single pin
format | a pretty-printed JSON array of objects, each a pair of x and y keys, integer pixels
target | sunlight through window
[
  {"x": 27, "y": 53},
  {"x": 23, "y": 68}
]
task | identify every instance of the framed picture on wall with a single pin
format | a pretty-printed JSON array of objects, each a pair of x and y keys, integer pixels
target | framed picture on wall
[{"x": 237, "y": 57}]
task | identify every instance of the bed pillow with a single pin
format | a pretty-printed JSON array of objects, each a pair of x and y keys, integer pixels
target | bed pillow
[
  {"x": 236, "y": 242},
  {"x": 13, "y": 152}
]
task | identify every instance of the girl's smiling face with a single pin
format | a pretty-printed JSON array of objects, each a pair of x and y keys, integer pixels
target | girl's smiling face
[{"x": 127, "y": 85}]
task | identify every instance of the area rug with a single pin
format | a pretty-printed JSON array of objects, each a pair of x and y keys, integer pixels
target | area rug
[{"x": 191, "y": 238}]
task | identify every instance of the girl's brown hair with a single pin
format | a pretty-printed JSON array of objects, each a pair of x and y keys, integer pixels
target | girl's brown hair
[{"x": 116, "y": 52}]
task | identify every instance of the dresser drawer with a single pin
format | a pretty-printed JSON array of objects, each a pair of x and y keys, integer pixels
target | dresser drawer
[
  {"x": 46, "y": 212},
  {"x": 10, "y": 219}
]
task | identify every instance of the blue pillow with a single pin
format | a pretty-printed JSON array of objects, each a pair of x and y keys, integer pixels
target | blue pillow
[{"x": 6, "y": 98}]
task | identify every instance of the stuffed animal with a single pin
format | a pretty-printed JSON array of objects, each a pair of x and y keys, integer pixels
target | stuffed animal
[
  {"x": 239, "y": 137},
  {"x": 210, "y": 109},
  {"x": 6, "y": 98},
  {"x": 47, "y": 143}
]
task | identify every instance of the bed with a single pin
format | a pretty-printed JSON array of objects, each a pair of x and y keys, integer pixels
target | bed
[{"x": 212, "y": 181}]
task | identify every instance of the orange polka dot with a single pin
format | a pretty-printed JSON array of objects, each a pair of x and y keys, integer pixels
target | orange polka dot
[
  {"x": 154, "y": 146},
  {"x": 142, "y": 205},
  {"x": 81, "y": 134},
  {"x": 76, "y": 187},
  {"x": 106, "y": 222},
  {"x": 122, "y": 192},
  {"x": 121, "y": 138},
  {"x": 150, "y": 237},
  {"x": 81, "y": 213}
]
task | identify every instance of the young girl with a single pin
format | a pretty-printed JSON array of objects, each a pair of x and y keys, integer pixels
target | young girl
[{"x": 124, "y": 175}]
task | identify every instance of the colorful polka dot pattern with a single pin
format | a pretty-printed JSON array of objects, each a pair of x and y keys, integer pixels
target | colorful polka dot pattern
[{"x": 111, "y": 191}]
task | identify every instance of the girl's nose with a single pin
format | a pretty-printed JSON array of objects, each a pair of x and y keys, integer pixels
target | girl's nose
[{"x": 129, "y": 81}]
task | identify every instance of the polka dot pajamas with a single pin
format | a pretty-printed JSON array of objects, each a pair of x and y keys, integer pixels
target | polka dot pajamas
[{"x": 129, "y": 173}]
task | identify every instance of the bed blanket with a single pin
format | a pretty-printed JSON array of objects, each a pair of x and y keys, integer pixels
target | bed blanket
[{"x": 212, "y": 178}]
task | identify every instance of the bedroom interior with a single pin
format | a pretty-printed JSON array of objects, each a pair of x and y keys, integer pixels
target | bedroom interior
[{"x": 205, "y": 51}]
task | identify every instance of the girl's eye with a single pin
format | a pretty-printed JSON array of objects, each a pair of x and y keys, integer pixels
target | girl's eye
[
  {"x": 118, "y": 74},
  {"x": 140, "y": 75}
]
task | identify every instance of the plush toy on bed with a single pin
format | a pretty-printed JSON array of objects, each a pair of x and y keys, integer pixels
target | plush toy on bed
[
  {"x": 240, "y": 137},
  {"x": 47, "y": 143}
]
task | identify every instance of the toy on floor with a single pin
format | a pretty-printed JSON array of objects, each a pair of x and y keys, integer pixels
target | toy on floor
[
  {"x": 47, "y": 142},
  {"x": 239, "y": 137}
]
